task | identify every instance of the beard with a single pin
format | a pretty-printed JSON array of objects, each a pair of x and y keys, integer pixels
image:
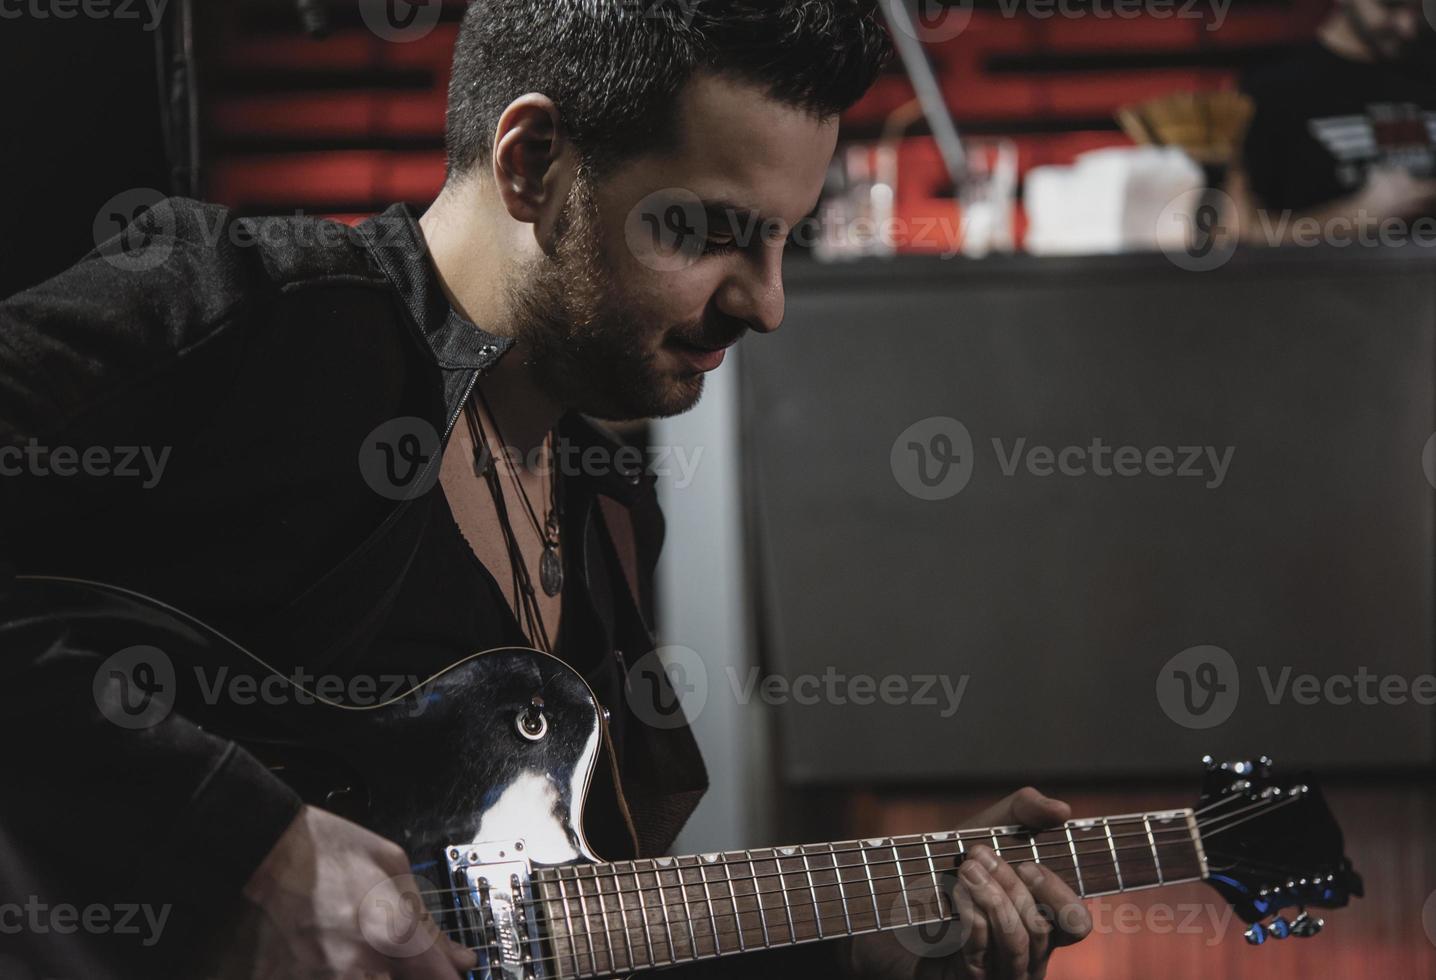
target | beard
[{"x": 588, "y": 348}]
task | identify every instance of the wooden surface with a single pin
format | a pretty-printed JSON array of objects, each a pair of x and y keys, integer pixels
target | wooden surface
[{"x": 1188, "y": 933}]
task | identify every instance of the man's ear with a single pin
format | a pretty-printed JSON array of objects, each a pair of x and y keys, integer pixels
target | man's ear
[{"x": 534, "y": 165}]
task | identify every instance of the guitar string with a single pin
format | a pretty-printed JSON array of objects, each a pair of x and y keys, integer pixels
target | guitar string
[
  {"x": 735, "y": 937},
  {"x": 604, "y": 937},
  {"x": 737, "y": 931},
  {"x": 607, "y": 934},
  {"x": 1059, "y": 850},
  {"x": 925, "y": 873},
  {"x": 980, "y": 835}
]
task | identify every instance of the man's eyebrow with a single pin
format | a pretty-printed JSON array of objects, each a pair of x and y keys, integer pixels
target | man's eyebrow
[{"x": 722, "y": 213}]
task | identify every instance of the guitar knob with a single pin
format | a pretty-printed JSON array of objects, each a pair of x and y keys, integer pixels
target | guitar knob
[
  {"x": 1305, "y": 926},
  {"x": 1279, "y": 928},
  {"x": 1256, "y": 935}
]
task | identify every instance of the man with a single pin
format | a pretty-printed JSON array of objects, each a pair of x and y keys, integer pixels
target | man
[
  {"x": 592, "y": 253},
  {"x": 1346, "y": 128}
]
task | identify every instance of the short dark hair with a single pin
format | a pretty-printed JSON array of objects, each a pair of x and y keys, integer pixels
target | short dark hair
[{"x": 614, "y": 68}]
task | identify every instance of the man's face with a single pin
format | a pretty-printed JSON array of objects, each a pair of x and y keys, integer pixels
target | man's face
[
  {"x": 673, "y": 256},
  {"x": 1390, "y": 27}
]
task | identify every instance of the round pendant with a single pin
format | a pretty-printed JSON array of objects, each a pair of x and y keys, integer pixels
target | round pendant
[{"x": 551, "y": 571}]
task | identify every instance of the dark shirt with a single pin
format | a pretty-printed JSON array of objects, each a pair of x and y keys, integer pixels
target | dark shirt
[
  {"x": 258, "y": 359},
  {"x": 1323, "y": 121}
]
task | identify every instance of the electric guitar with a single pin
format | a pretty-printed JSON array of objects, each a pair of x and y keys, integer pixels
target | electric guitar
[{"x": 481, "y": 774}]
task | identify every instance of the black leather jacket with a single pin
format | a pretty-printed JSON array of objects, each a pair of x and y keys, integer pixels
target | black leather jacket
[{"x": 256, "y": 362}]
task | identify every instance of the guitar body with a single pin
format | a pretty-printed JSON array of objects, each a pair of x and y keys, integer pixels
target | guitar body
[
  {"x": 495, "y": 751},
  {"x": 450, "y": 761}
]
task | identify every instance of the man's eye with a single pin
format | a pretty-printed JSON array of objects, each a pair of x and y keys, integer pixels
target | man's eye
[{"x": 717, "y": 244}]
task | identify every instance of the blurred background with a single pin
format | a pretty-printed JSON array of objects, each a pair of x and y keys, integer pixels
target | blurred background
[{"x": 1103, "y": 482}]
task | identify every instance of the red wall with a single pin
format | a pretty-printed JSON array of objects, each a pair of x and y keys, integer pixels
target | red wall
[{"x": 351, "y": 123}]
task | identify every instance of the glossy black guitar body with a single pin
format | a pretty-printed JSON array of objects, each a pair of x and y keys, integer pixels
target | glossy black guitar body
[{"x": 494, "y": 752}]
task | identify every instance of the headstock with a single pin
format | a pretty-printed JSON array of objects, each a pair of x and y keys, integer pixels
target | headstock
[{"x": 1272, "y": 845}]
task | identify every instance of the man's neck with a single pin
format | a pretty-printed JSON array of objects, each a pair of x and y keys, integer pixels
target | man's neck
[{"x": 472, "y": 253}]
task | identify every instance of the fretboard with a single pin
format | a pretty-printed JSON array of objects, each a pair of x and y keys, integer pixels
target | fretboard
[{"x": 606, "y": 919}]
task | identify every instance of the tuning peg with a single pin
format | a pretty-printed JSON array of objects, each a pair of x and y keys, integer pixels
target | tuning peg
[
  {"x": 1256, "y": 935},
  {"x": 1279, "y": 928},
  {"x": 1305, "y": 926},
  {"x": 1264, "y": 765}
]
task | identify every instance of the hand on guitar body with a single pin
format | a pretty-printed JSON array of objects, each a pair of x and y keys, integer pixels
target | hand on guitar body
[
  {"x": 1015, "y": 917},
  {"x": 333, "y": 900}
]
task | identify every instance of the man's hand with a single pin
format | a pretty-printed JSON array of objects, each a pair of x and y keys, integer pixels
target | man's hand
[
  {"x": 1012, "y": 918},
  {"x": 1391, "y": 192},
  {"x": 336, "y": 901}
]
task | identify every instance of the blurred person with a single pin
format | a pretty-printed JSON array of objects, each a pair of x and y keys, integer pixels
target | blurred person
[
  {"x": 524, "y": 301},
  {"x": 1344, "y": 128}
]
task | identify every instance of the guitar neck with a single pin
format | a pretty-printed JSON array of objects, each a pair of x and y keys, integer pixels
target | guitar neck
[{"x": 606, "y": 919}]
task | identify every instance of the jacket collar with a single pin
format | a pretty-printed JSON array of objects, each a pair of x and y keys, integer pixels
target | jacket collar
[{"x": 397, "y": 244}]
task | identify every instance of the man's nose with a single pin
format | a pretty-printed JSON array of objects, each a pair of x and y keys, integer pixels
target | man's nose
[{"x": 754, "y": 294}]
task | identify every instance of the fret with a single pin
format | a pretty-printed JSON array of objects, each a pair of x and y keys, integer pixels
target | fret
[
  {"x": 603, "y": 911},
  {"x": 863, "y": 874},
  {"x": 693, "y": 921},
  {"x": 932, "y": 869},
  {"x": 643, "y": 915},
  {"x": 1036, "y": 854},
  {"x": 663, "y": 906},
  {"x": 817, "y": 913},
  {"x": 592, "y": 956},
  {"x": 1076, "y": 865},
  {"x": 1095, "y": 860},
  {"x": 1139, "y": 869},
  {"x": 996, "y": 846},
  {"x": 842, "y": 895},
  {"x": 611, "y": 876},
  {"x": 783, "y": 891},
  {"x": 757, "y": 897},
  {"x": 708, "y": 900},
  {"x": 588, "y": 925},
  {"x": 555, "y": 920},
  {"x": 1112, "y": 846},
  {"x": 872, "y": 888},
  {"x": 1152, "y": 840},
  {"x": 733, "y": 900},
  {"x": 902, "y": 883},
  {"x": 1176, "y": 845}
]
